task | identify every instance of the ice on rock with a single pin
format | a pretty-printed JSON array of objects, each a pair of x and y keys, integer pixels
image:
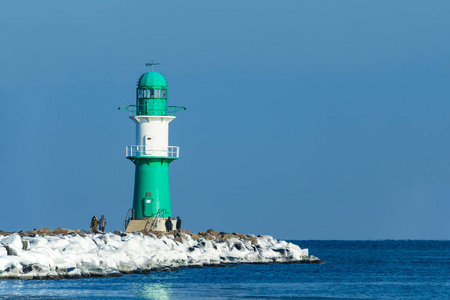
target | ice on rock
[
  {"x": 12, "y": 244},
  {"x": 73, "y": 256}
]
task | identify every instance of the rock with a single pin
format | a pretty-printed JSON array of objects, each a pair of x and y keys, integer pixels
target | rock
[
  {"x": 238, "y": 245},
  {"x": 80, "y": 255},
  {"x": 148, "y": 233},
  {"x": 59, "y": 230},
  {"x": 185, "y": 231},
  {"x": 252, "y": 239},
  {"x": 212, "y": 232},
  {"x": 42, "y": 231},
  {"x": 10, "y": 250},
  {"x": 25, "y": 245},
  {"x": 241, "y": 236},
  {"x": 282, "y": 251},
  {"x": 201, "y": 243},
  {"x": 314, "y": 259},
  {"x": 209, "y": 237},
  {"x": 225, "y": 237}
]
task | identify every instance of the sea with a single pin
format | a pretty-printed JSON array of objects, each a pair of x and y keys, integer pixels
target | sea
[{"x": 387, "y": 269}]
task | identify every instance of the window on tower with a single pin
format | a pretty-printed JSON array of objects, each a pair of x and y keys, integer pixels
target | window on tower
[{"x": 151, "y": 93}]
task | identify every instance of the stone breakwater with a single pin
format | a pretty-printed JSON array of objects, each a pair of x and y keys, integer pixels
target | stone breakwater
[{"x": 76, "y": 255}]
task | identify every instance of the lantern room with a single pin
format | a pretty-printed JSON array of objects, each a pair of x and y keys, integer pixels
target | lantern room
[{"x": 151, "y": 95}]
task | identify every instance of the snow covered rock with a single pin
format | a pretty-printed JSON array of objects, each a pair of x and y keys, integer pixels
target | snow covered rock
[{"x": 74, "y": 256}]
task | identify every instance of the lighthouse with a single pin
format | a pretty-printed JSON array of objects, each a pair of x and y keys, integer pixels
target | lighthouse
[{"x": 151, "y": 154}]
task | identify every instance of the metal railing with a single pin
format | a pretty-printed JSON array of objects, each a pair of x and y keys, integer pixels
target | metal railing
[
  {"x": 172, "y": 110},
  {"x": 129, "y": 216},
  {"x": 143, "y": 150},
  {"x": 159, "y": 214},
  {"x": 146, "y": 111}
]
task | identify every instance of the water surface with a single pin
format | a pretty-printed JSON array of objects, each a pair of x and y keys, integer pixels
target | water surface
[{"x": 352, "y": 270}]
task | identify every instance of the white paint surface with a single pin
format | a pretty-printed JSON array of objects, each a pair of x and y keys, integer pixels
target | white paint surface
[{"x": 153, "y": 133}]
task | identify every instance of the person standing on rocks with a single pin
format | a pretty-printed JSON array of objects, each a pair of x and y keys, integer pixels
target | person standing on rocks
[
  {"x": 102, "y": 224},
  {"x": 169, "y": 224},
  {"x": 178, "y": 223},
  {"x": 94, "y": 222}
]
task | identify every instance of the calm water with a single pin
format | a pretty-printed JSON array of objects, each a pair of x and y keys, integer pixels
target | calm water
[{"x": 352, "y": 270}]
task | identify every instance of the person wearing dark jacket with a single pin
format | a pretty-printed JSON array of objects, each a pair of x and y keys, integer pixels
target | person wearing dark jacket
[
  {"x": 178, "y": 223},
  {"x": 94, "y": 223},
  {"x": 169, "y": 224}
]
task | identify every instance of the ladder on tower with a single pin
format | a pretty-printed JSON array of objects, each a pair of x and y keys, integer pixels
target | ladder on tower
[{"x": 158, "y": 215}]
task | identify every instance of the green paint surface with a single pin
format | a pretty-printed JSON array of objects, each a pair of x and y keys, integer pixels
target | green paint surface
[
  {"x": 151, "y": 107},
  {"x": 152, "y": 79},
  {"x": 151, "y": 186},
  {"x": 151, "y": 95}
]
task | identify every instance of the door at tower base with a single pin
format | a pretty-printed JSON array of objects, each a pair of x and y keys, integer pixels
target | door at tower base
[{"x": 151, "y": 188}]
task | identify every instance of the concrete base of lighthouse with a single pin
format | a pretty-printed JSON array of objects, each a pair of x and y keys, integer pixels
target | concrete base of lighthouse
[{"x": 150, "y": 224}]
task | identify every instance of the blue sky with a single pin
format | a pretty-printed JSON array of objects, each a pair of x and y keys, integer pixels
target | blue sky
[{"x": 304, "y": 120}]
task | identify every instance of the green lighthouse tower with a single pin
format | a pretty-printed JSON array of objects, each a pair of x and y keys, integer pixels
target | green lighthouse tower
[{"x": 151, "y": 154}]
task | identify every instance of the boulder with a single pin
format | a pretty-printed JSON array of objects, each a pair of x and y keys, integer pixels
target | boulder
[
  {"x": 10, "y": 250},
  {"x": 238, "y": 235},
  {"x": 62, "y": 231},
  {"x": 225, "y": 237},
  {"x": 25, "y": 245},
  {"x": 108, "y": 255},
  {"x": 212, "y": 232},
  {"x": 148, "y": 233},
  {"x": 209, "y": 237},
  {"x": 43, "y": 231},
  {"x": 252, "y": 239}
]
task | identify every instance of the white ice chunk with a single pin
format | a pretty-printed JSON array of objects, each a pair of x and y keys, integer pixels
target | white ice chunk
[{"x": 108, "y": 254}]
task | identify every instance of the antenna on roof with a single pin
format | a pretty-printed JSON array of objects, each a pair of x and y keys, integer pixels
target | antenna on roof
[{"x": 151, "y": 64}]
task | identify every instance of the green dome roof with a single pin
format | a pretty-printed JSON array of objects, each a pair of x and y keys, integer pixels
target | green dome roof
[{"x": 152, "y": 79}]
